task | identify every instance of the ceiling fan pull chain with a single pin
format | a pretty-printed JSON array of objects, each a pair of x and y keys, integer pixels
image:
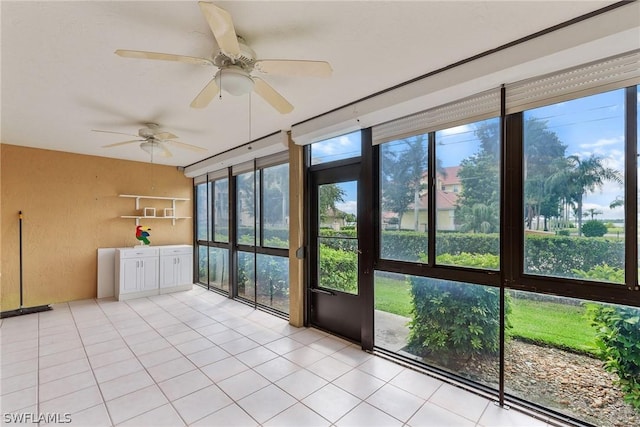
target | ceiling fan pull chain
[{"x": 220, "y": 92}]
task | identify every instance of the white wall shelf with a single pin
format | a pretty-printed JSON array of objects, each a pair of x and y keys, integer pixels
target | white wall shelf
[{"x": 173, "y": 201}]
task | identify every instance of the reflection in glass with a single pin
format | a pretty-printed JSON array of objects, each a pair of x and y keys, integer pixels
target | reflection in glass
[
  {"x": 221, "y": 210},
  {"x": 404, "y": 199},
  {"x": 468, "y": 193},
  {"x": 554, "y": 356},
  {"x": 451, "y": 325},
  {"x": 246, "y": 276},
  {"x": 273, "y": 282},
  {"x": 574, "y": 188},
  {"x": 276, "y": 206},
  {"x": 219, "y": 268},
  {"x": 338, "y": 240},
  {"x": 203, "y": 198},
  {"x": 247, "y": 209},
  {"x": 202, "y": 264},
  {"x": 338, "y": 148}
]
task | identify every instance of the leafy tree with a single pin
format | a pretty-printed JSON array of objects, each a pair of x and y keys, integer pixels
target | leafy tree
[
  {"x": 582, "y": 176},
  {"x": 478, "y": 175},
  {"x": 276, "y": 194},
  {"x": 542, "y": 149},
  {"x": 403, "y": 172},
  {"x": 329, "y": 195},
  {"x": 619, "y": 201},
  {"x": 480, "y": 219}
]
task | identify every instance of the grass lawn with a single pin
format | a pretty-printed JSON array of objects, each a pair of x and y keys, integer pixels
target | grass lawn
[
  {"x": 553, "y": 324},
  {"x": 543, "y": 322},
  {"x": 393, "y": 296}
]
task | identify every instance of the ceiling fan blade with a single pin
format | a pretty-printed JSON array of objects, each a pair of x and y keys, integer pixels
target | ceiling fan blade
[
  {"x": 163, "y": 57},
  {"x": 165, "y": 135},
  {"x": 165, "y": 152},
  {"x": 290, "y": 67},
  {"x": 122, "y": 143},
  {"x": 221, "y": 25},
  {"x": 118, "y": 133},
  {"x": 270, "y": 95},
  {"x": 187, "y": 146},
  {"x": 206, "y": 95}
]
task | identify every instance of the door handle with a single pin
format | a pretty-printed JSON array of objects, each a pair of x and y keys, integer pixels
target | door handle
[{"x": 321, "y": 291}]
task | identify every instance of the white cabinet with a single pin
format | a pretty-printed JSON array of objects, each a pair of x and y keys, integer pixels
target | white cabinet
[
  {"x": 136, "y": 272},
  {"x": 176, "y": 268},
  {"x": 146, "y": 271}
]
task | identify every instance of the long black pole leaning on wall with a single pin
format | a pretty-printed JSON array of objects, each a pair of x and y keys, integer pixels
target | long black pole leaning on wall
[{"x": 22, "y": 310}]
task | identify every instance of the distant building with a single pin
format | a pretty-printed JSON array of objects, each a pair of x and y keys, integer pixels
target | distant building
[{"x": 448, "y": 188}]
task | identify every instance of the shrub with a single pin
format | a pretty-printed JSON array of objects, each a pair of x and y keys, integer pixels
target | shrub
[
  {"x": 454, "y": 319},
  {"x": 338, "y": 269},
  {"x": 618, "y": 339},
  {"x": 594, "y": 228},
  {"x": 563, "y": 232},
  {"x": 617, "y": 336}
]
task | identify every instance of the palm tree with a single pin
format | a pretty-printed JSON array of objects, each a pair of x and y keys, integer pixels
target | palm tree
[
  {"x": 582, "y": 176},
  {"x": 592, "y": 212}
]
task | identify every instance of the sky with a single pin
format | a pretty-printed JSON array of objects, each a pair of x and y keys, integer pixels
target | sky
[{"x": 589, "y": 125}]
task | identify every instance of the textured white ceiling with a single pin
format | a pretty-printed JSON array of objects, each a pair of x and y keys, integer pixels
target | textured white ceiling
[{"x": 60, "y": 77}]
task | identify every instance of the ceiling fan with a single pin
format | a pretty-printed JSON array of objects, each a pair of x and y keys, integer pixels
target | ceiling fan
[
  {"x": 154, "y": 140},
  {"x": 236, "y": 61}
]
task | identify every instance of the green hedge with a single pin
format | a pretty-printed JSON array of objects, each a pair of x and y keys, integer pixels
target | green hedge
[
  {"x": 562, "y": 255},
  {"x": 545, "y": 254}
]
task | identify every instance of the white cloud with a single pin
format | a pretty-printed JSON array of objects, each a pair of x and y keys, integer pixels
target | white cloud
[
  {"x": 350, "y": 206},
  {"x": 603, "y": 142}
]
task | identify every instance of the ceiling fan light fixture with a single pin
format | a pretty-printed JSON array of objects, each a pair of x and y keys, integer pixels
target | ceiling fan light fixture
[
  {"x": 234, "y": 80},
  {"x": 151, "y": 147}
]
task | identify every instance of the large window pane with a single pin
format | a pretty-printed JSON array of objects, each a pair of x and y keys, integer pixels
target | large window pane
[
  {"x": 246, "y": 276},
  {"x": 556, "y": 352},
  {"x": 247, "y": 208},
  {"x": 468, "y": 194},
  {"x": 338, "y": 236},
  {"x": 450, "y": 325},
  {"x": 221, "y": 210},
  {"x": 338, "y": 148},
  {"x": 574, "y": 155},
  {"x": 219, "y": 268},
  {"x": 404, "y": 199},
  {"x": 203, "y": 270},
  {"x": 273, "y": 282},
  {"x": 276, "y": 206},
  {"x": 203, "y": 198}
]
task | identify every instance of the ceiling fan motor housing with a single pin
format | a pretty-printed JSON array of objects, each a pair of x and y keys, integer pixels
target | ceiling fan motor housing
[{"x": 246, "y": 60}]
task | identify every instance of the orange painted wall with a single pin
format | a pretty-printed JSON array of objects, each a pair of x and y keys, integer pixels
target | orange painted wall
[{"x": 70, "y": 208}]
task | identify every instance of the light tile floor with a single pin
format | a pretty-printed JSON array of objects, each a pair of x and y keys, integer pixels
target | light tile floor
[{"x": 198, "y": 358}]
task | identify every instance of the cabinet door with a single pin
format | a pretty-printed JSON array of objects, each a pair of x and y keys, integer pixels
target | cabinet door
[
  {"x": 184, "y": 270},
  {"x": 168, "y": 267},
  {"x": 129, "y": 269},
  {"x": 148, "y": 273}
]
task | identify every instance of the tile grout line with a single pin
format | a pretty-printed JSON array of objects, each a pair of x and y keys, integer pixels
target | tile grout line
[{"x": 97, "y": 384}]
